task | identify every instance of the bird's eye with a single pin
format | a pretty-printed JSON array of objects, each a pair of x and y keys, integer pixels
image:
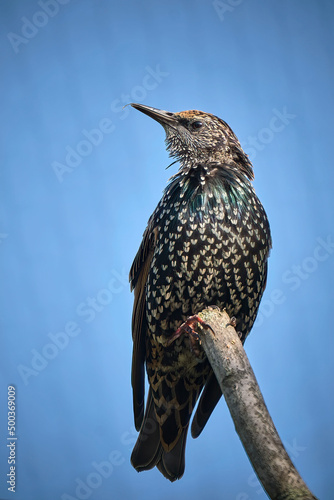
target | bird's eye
[{"x": 196, "y": 125}]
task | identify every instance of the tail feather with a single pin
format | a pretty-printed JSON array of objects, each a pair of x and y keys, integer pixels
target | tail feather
[
  {"x": 172, "y": 463},
  {"x": 148, "y": 451}
]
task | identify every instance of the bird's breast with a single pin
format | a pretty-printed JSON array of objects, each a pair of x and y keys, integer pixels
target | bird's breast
[{"x": 208, "y": 252}]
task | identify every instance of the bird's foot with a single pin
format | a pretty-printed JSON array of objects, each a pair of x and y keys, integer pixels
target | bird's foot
[
  {"x": 233, "y": 322},
  {"x": 188, "y": 327}
]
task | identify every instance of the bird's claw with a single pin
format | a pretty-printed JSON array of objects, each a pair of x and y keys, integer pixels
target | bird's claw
[
  {"x": 214, "y": 307},
  {"x": 188, "y": 327},
  {"x": 233, "y": 322}
]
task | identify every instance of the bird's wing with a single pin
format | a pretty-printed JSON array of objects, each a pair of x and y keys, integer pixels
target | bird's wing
[
  {"x": 209, "y": 398},
  {"x": 138, "y": 278}
]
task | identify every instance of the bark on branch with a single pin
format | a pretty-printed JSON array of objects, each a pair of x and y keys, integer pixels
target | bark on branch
[{"x": 251, "y": 418}]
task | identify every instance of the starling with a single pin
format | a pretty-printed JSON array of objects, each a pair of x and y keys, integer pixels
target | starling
[{"x": 206, "y": 244}]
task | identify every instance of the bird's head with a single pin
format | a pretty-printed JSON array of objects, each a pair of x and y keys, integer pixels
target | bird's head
[{"x": 195, "y": 137}]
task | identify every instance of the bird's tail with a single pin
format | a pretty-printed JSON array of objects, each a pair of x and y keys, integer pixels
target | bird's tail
[{"x": 149, "y": 451}]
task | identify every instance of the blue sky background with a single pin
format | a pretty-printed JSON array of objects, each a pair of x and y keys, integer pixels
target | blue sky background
[{"x": 79, "y": 178}]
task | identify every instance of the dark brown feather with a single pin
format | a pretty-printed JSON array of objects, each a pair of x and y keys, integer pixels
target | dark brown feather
[
  {"x": 148, "y": 451},
  {"x": 209, "y": 398},
  {"x": 138, "y": 277}
]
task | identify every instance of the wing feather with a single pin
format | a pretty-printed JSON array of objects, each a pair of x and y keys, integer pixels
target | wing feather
[{"x": 138, "y": 279}]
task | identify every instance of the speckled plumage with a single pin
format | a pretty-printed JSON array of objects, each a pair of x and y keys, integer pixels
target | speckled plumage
[{"x": 206, "y": 243}]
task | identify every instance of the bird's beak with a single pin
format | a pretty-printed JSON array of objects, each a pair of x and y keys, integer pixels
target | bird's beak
[{"x": 161, "y": 116}]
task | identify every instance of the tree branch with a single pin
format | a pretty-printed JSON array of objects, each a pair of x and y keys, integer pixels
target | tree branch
[{"x": 251, "y": 418}]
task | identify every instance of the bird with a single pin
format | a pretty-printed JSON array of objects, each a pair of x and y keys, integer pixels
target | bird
[{"x": 206, "y": 244}]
